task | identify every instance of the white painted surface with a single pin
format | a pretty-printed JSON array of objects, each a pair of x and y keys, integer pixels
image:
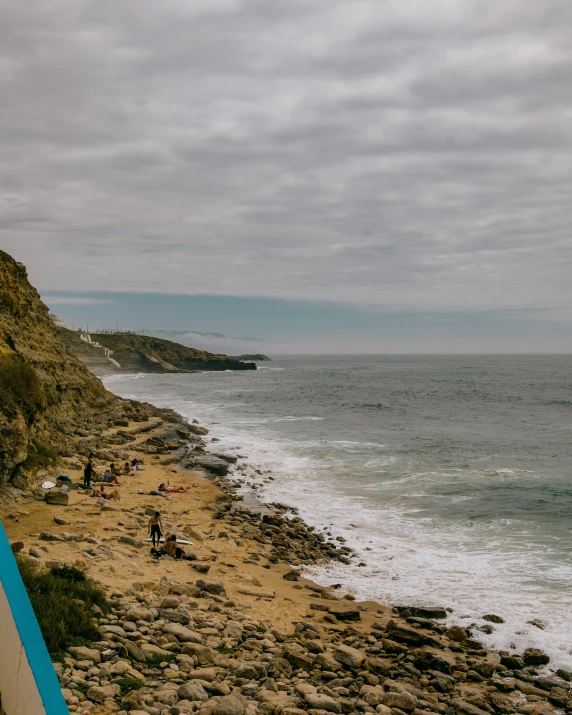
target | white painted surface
[{"x": 20, "y": 694}]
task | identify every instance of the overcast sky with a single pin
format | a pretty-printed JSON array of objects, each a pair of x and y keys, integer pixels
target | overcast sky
[{"x": 384, "y": 156}]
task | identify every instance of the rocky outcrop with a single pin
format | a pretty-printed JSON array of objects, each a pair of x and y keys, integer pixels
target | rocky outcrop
[
  {"x": 143, "y": 353},
  {"x": 46, "y": 393}
]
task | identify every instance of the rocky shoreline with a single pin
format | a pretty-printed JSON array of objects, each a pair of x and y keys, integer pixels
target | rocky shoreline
[{"x": 239, "y": 631}]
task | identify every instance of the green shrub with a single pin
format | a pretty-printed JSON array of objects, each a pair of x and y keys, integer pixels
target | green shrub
[
  {"x": 128, "y": 684},
  {"x": 20, "y": 387},
  {"x": 62, "y": 599},
  {"x": 154, "y": 661}
]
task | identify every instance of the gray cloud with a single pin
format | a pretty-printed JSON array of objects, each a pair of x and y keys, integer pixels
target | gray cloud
[{"x": 394, "y": 154}]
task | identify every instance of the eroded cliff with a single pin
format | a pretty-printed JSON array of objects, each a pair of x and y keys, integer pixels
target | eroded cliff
[{"x": 46, "y": 393}]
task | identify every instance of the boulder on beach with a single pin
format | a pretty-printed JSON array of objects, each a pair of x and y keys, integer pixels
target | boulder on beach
[{"x": 213, "y": 464}]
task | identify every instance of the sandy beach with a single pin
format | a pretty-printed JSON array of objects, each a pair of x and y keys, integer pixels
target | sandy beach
[{"x": 189, "y": 515}]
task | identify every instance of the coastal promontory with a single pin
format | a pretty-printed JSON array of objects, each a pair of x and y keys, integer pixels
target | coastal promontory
[{"x": 143, "y": 353}]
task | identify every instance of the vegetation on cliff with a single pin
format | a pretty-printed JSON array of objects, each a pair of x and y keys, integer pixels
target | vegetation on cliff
[
  {"x": 65, "y": 603},
  {"x": 46, "y": 393},
  {"x": 143, "y": 353}
]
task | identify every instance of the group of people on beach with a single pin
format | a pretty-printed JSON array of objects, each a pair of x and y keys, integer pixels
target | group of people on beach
[
  {"x": 92, "y": 476},
  {"x": 170, "y": 545},
  {"x": 107, "y": 475}
]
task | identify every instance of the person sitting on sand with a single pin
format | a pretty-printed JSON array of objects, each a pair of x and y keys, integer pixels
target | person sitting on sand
[
  {"x": 172, "y": 490},
  {"x": 116, "y": 471},
  {"x": 177, "y": 552},
  {"x": 155, "y": 526},
  {"x": 172, "y": 549},
  {"x": 126, "y": 468},
  {"x": 109, "y": 477},
  {"x": 135, "y": 466}
]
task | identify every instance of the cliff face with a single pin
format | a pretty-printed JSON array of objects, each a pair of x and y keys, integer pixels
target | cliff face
[
  {"x": 142, "y": 353},
  {"x": 46, "y": 393}
]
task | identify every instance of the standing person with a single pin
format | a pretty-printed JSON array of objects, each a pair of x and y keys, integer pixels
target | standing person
[
  {"x": 88, "y": 473},
  {"x": 155, "y": 527}
]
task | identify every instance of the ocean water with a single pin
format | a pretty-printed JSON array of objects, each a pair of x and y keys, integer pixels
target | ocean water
[{"x": 450, "y": 476}]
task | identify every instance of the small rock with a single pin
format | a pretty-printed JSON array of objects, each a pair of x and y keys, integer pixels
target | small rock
[
  {"x": 349, "y": 656},
  {"x": 133, "y": 701},
  {"x": 491, "y": 618},
  {"x": 192, "y": 690},
  {"x": 320, "y": 701},
  {"x": 203, "y": 654},
  {"x": 534, "y": 656},
  {"x": 100, "y": 693},
  {"x": 56, "y": 497},
  {"x": 182, "y": 634},
  {"x": 215, "y": 587},
  {"x": 84, "y": 653},
  {"x": 200, "y": 567}
]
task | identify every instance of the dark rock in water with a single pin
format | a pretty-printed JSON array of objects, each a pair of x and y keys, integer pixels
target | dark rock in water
[
  {"x": 230, "y": 458},
  {"x": 534, "y": 656},
  {"x": 212, "y": 464},
  {"x": 197, "y": 429},
  {"x": 564, "y": 674},
  {"x": 513, "y": 662},
  {"x": 272, "y": 520},
  {"x": 458, "y": 634},
  {"x": 491, "y": 618},
  {"x": 486, "y": 629},
  {"x": 423, "y": 611}
]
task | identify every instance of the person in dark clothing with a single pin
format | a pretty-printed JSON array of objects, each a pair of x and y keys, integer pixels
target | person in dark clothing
[
  {"x": 88, "y": 473},
  {"x": 155, "y": 525}
]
